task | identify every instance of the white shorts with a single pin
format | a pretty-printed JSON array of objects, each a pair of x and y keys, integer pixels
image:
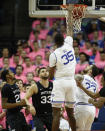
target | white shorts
[
  {"x": 63, "y": 92},
  {"x": 84, "y": 115},
  {"x": 64, "y": 124}
]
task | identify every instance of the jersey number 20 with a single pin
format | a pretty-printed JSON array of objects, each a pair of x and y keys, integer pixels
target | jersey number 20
[{"x": 68, "y": 57}]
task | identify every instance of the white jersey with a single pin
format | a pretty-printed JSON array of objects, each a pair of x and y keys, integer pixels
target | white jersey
[
  {"x": 90, "y": 84},
  {"x": 64, "y": 60}
]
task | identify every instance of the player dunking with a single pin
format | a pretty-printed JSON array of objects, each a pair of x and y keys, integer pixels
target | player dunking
[{"x": 63, "y": 61}]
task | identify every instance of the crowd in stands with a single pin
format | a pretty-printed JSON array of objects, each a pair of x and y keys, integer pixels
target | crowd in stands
[{"x": 34, "y": 53}]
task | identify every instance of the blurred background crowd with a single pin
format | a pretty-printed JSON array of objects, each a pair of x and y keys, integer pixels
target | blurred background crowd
[{"x": 26, "y": 43}]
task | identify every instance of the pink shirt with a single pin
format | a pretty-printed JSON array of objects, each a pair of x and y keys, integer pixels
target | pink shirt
[
  {"x": 98, "y": 79},
  {"x": 100, "y": 64},
  {"x": 3, "y": 120},
  {"x": 29, "y": 69},
  {"x": 90, "y": 36},
  {"x": 29, "y": 116},
  {"x": 80, "y": 67},
  {"x": 12, "y": 64},
  {"x": 22, "y": 77},
  {"x": 97, "y": 57},
  {"x": 36, "y": 79},
  {"x": 36, "y": 22},
  {"x": 43, "y": 34},
  {"x": 27, "y": 50},
  {"x": 45, "y": 63},
  {"x": 1, "y": 62},
  {"x": 86, "y": 51},
  {"x": 33, "y": 54}
]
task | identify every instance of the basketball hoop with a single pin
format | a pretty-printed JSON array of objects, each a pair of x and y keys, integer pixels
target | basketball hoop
[{"x": 78, "y": 13}]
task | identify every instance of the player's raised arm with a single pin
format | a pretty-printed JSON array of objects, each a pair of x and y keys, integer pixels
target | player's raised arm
[
  {"x": 52, "y": 65},
  {"x": 33, "y": 90},
  {"x": 70, "y": 21},
  {"x": 89, "y": 93},
  {"x": 30, "y": 92}
]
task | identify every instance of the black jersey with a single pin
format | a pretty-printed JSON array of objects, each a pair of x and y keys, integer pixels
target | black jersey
[
  {"x": 102, "y": 92},
  {"x": 11, "y": 92},
  {"x": 42, "y": 100}
]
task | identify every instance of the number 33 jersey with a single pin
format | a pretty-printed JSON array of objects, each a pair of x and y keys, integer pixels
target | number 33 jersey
[
  {"x": 42, "y": 100},
  {"x": 63, "y": 59},
  {"x": 90, "y": 84}
]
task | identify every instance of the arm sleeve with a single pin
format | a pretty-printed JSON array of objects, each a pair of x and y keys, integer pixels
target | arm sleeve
[
  {"x": 4, "y": 92},
  {"x": 68, "y": 40},
  {"x": 52, "y": 60},
  {"x": 102, "y": 92}
]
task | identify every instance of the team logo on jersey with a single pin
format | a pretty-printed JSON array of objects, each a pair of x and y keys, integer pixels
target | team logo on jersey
[{"x": 64, "y": 51}]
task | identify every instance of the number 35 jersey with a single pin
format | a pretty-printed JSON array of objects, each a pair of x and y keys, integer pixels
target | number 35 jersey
[
  {"x": 63, "y": 59},
  {"x": 90, "y": 84},
  {"x": 42, "y": 100}
]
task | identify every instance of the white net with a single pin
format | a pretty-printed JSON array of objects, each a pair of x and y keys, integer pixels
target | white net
[{"x": 78, "y": 14}]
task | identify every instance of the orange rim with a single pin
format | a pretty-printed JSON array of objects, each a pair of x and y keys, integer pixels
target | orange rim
[{"x": 76, "y": 5}]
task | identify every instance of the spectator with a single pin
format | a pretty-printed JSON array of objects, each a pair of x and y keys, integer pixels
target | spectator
[
  {"x": 48, "y": 42},
  {"x": 19, "y": 73},
  {"x": 2, "y": 113},
  {"x": 15, "y": 61},
  {"x": 26, "y": 46},
  {"x": 75, "y": 42},
  {"x": 38, "y": 61},
  {"x": 87, "y": 48},
  {"x": 83, "y": 63},
  {"x": 36, "y": 51},
  {"x": 81, "y": 39},
  {"x": 5, "y": 53},
  {"x": 29, "y": 77},
  {"x": 19, "y": 49},
  {"x": 23, "y": 56},
  {"x": 101, "y": 63},
  {"x": 95, "y": 53},
  {"x": 6, "y": 65},
  {"x": 28, "y": 67},
  {"x": 46, "y": 59},
  {"x": 76, "y": 50},
  {"x": 96, "y": 39},
  {"x": 36, "y": 78},
  {"x": 19, "y": 82}
]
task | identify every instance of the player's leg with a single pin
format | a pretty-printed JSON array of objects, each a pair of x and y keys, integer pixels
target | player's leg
[
  {"x": 88, "y": 124},
  {"x": 56, "y": 118},
  {"x": 47, "y": 119},
  {"x": 38, "y": 124},
  {"x": 19, "y": 122},
  {"x": 70, "y": 101},
  {"x": 81, "y": 117},
  {"x": 71, "y": 118},
  {"x": 58, "y": 96}
]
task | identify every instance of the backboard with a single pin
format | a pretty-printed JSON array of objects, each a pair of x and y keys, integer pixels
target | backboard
[{"x": 51, "y": 8}]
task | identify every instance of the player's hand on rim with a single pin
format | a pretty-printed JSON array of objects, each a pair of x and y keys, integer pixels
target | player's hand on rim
[{"x": 70, "y": 7}]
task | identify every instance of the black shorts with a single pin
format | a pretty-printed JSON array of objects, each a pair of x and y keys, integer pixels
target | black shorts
[
  {"x": 17, "y": 122},
  {"x": 42, "y": 122}
]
